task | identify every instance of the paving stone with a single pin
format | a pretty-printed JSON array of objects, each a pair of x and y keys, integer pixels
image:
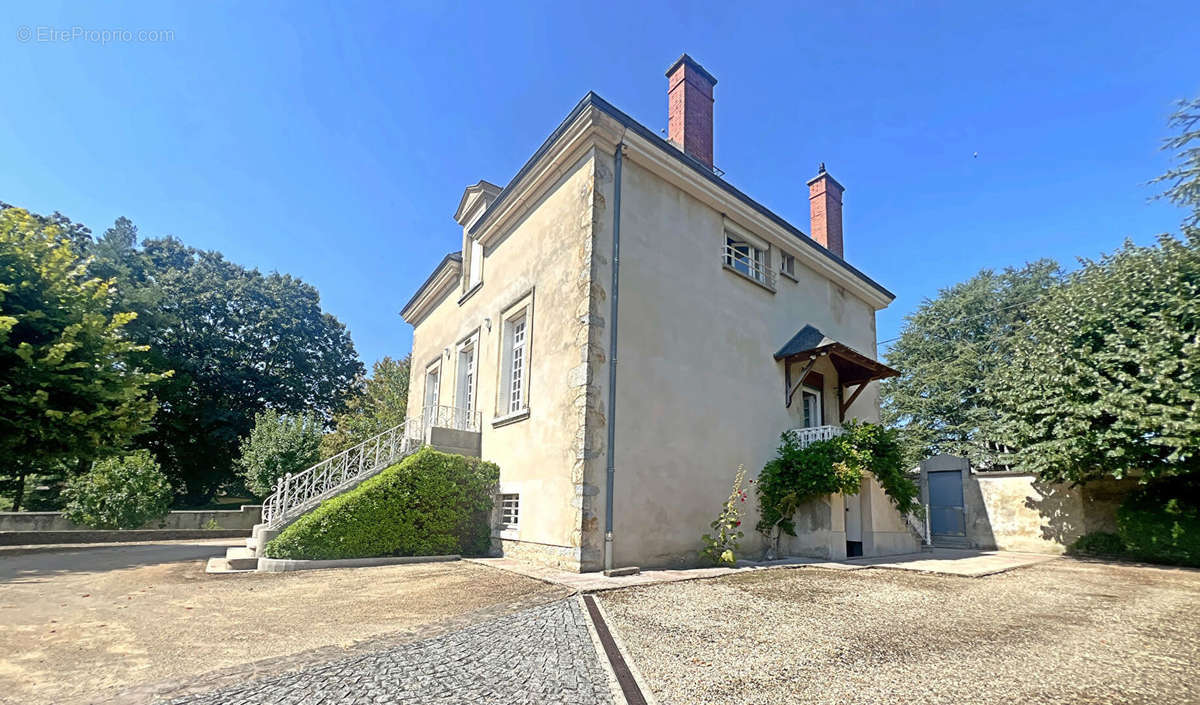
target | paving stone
[{"x": 542, "y": 655}]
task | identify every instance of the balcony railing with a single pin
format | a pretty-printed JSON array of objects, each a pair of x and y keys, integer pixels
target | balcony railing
[
  {"x": 751, "y": 265},
  {"x": 812, "y": 434},
  {"x": 451, "y": 417}
]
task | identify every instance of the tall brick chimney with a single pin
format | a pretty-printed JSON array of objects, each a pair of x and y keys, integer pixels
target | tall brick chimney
[
  {"x": 825, "y": 210},
  {"x": 690, "y": 108}
]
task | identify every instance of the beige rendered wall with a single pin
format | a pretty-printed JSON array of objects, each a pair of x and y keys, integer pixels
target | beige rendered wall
[
  {"x": 545, "y": 256},
  {"x": 699, "y": 391}
]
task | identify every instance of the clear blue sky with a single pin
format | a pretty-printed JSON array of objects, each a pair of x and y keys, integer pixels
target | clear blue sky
[{"x": 334, "y": 143}]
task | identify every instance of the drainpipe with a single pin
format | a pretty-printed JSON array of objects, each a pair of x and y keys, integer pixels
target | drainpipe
[{"x": 612, "y": 361}]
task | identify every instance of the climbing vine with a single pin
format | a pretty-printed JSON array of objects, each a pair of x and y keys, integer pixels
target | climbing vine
[{"x": 798, "y": 475}]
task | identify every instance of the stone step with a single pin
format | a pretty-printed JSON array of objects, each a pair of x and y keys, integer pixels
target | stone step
[
  {"x": 218, "y": 565},
  {"x": 241, "y": 558},
  {"x": 252, "y": 543}
]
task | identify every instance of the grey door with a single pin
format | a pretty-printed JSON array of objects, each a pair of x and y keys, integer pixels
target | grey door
[{"x": 946, "y": 509}]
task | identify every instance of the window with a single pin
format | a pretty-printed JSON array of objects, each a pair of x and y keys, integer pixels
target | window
[
  {"x": 432, "y": 373},
  {"x": 787, "y": 264},
  {"x": 510, "y": 510},
  {"x": 811, "y": 400},
  {"x": 747, "y": 256},
  {"x": 517, "y": 364},
  {"x": 476, "y": 264},
  {"x": 465, "y": 391}
]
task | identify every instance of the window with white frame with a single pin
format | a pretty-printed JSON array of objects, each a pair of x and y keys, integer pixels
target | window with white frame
[
  {"x": 518, "y": 362},
  {"x": 748, "y": 256},
  {"x": 787, "y": 264},
  {"x": 432, "y": 391},
  {"x": 467, "y": 360},
  {"x": 810, "y": 398},
  {"x": 476, "y": 264},
  {"x": 515, "y": 368},
  {"x": 510, "y": 511}
]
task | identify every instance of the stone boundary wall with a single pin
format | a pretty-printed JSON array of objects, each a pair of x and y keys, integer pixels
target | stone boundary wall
[
  {"x": 1018, "y": 512},
  {"x": 39, "y": 538},
  {"x": 238, "y": 520}
]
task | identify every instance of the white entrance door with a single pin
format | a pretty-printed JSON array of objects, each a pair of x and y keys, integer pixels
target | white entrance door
[{"x": 853, "y": 517}]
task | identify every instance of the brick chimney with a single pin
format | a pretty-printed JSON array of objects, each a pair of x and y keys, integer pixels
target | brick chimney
[
  {"x": 690, "y": 108},
  {"x": 825, "y": 210}
]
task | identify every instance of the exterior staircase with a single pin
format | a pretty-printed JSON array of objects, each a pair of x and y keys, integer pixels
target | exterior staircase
[{"x": 444, "y": 428}]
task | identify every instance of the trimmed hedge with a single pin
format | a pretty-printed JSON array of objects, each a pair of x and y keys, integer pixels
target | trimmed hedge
[
  {"x": 1161, "y": 522},
  {"x": 431, "y": 503}
]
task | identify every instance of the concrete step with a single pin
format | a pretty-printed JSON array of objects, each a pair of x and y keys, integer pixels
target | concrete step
[
  {"x": 241, "y": 558},
  {"x": 252, "y": 543},
  {"x": 218, "y": 565}
]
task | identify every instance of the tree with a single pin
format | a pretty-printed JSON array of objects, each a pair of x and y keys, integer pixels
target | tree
[
  {"x": 278, "y": 445},
  {"x": 119, "y": 493},
  {"x": 69, "y": 384},
  {"x": 1183, "y": 181},
  {"x": 948, "y": 351},
  {"x": 240, "y": 342},
  {"x": 381, "y": 403},
  {"x": 1105, "y": 372}
]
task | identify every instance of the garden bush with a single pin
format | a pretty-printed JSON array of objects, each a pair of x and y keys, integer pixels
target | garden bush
[
  {"x": 276, "y": 446},
  {"x": 119, "y": 493},
  {"x": 1161, "y": 522},
  {"x": 431, "y": 503},
  {"x": 1097, "y": 543}
]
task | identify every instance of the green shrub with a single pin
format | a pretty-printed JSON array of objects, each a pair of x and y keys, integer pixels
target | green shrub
[
  {"x": 278, "y": 445},
  {"x": 799, "y": 475},
  {"x": 119, "y": 493},
  {"x": 431, "y": 503},
  {"x": 1097, "y": 543},
  {"x": 1161, "y": 522}
]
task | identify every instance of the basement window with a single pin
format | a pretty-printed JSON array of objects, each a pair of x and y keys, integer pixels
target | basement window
[{"x": 510, "y": 511}]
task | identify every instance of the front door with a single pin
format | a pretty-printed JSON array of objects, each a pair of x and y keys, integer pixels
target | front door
[
  {"x": 853, "y": 504},
  {"x": 946, "y": 506}
]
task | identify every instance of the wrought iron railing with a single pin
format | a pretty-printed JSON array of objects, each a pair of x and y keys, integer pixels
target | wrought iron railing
[
  {"x": 296, "y": 494},
  {"x": 752, "y": 265},
  {"x": 806, "y": 436},
  {"x": 451, "y": 417}
]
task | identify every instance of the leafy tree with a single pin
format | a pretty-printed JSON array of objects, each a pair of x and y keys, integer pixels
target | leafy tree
[
  {"x": 1183, "y": 181},
  {"x": 947, "y": 353},
  {"x": 69, "y": 384},
  {"x": 380, "y": 403},
  {"x": 1105, "y": 372},
  {"x": 278, "y": 445},
  {"x": 240, "y": 342},
  {"x": 119, "y": 493}
]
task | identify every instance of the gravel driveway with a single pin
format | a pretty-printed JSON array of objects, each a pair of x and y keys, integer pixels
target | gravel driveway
[
  {"x": 1062, "y": 632},
  {"x": 135, "y": 624}
]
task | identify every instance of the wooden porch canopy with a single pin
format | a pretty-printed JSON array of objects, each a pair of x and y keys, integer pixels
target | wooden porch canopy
[{"x": 853, "y": 368}]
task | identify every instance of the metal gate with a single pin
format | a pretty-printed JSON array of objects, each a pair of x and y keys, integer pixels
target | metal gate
[{"x": 943, "y": 486}]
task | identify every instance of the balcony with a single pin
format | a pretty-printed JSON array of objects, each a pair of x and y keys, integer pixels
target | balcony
[
  {"x": 452, "y": 430},
  {"x": 812, "y": 434}
]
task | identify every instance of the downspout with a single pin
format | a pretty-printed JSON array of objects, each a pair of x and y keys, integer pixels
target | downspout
[{"x": 612, "y": 361}]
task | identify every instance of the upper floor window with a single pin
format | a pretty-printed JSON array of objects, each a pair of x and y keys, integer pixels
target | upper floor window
[
  {"x": 467, "y": 372},
  {"x": 787, "y": 264},
  {"x": 748, "y": 256},
  {"x": 475, "y": 264},
  {"x": 517, "y": 363},
  {"x": 432, "y": 386}
]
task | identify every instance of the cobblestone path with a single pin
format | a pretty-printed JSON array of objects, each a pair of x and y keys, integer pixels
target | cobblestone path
[{"x": 543, "y": 655}]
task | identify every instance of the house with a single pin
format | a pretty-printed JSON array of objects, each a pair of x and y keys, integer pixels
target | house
[{"x": 621, "y": 328}]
